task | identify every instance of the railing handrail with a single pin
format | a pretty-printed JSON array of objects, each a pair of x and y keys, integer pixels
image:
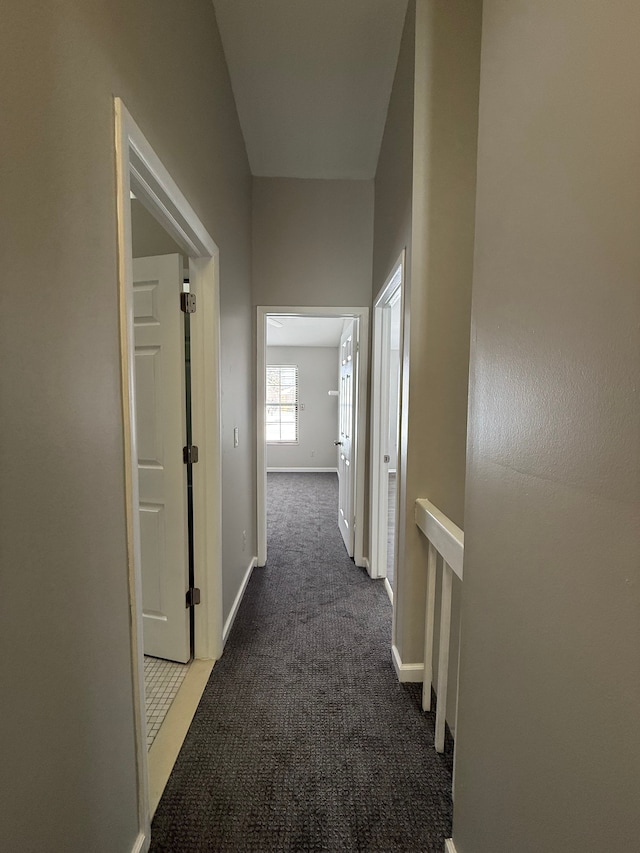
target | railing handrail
[{"x": 444, "y": 535}]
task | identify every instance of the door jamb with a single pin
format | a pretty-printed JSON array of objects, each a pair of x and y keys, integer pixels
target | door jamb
[
  {"x": 139, "y": 168},
  {"x": 362, "y": 316},
  {"x": 379, "y": 406}
]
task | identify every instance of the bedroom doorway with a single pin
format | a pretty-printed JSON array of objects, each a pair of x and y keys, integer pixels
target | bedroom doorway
[{"x": 312, "y": 400}]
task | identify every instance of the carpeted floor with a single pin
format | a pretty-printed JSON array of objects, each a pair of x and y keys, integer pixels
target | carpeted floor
[{"x": 304, "y": 740}]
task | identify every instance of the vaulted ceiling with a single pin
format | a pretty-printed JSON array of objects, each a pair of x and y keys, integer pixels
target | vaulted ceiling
[{"x": 312, "y": 80}]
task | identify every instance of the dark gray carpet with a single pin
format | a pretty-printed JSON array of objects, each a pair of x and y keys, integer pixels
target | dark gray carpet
[{"x": 304, "y": 740}]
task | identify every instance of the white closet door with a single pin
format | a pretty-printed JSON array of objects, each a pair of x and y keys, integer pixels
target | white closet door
[{"x": 160, "y": 434}]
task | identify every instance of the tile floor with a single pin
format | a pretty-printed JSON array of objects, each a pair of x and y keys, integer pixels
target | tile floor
[{"x": 162, "y": 680}]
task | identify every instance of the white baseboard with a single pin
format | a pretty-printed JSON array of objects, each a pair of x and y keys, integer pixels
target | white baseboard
[
  {"x": 141, "y": 844},
  {"x": 302, "y": 470},
  {"x": 389, "y": 590},
  {"x": 406, "y": 671},
  {"x": 228, "y": 625},
  {"x": 449, "y": 846}
]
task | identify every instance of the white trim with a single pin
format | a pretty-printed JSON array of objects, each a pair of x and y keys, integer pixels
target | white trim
[
  {"x": 389, "y": 589},
  {"x": 361, "y": 314},
  {"x": 365, "y": 565},
  {"x": 168, "y": 742},
  {"x": 141, "y": 844},
  {"x": 261, "y": 452},
  {"x": 125, "y": 276},
  {"x": 140, "y": 169},
  {"x": 302, "y": 470},
  {"x": 206, "y": 418},
  {"x": 449, "y": 846},
  {"x": 406, "y": 671},
  {"x": 228, "y": 625},
  {"x": 378, "y": 505}
]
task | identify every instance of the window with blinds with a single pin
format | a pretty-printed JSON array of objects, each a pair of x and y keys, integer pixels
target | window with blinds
[{"x": 282, "y": 404}]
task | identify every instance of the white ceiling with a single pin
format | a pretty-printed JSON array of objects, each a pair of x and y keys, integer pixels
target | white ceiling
[
  {"x": 304, "y": 332},
  {"x": 312, "y": 80}
]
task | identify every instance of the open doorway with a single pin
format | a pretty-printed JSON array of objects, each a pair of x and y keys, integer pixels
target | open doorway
[
  {"x": 386, "y": 386},
  {"x": 163, "y": 421},
  {"x": 312, "y": 369},
  {"x": 164, "y": 541}
]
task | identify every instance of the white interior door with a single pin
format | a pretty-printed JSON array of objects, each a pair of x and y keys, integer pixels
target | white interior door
[
  {"x": 386, "y": 381},
  {"x": 391, "y": 387},
  {"x": 346, "y": 470},
  {"x": 160, "y": 436}
]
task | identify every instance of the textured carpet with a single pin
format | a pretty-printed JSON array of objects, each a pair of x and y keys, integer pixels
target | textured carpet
[{"x": 304, "y": 740}]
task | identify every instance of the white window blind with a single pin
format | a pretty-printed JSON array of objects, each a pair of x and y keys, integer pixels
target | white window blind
[{"x": 282, "y": 404}]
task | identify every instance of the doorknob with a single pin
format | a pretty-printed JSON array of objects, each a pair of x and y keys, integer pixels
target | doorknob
[{"x": 337, "y": 443}]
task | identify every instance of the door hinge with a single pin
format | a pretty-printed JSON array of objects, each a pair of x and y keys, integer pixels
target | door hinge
[
  {"x": 188, "y": 303},
  {"x": 190, "y": 454},
  {"x": 193, "y": 596}
]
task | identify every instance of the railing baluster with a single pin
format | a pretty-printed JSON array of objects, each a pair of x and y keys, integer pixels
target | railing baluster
[
  {"x": 446, "y": 540},
  {"x": 443, "y": 655},
  {"x": 429, "y": 628}
]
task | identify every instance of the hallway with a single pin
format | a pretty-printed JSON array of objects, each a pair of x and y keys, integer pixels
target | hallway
[{"x": 304, "y": 740}]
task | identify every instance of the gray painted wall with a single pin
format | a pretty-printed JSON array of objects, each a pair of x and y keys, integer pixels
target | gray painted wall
[
  {"x": 313, "y": 246},
  {"x": 548, "y": 753},
  {"x": 318, "y": 423},
  {"x": 425, "y": 196},
  {"x": 312, "y": 242},
  {"x": 394, "y": 175},
  {"x": 68, "y": 770},
  {"x": 438, "y": 300}
]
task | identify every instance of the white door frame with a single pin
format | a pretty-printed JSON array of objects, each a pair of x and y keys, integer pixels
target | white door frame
[
  {"x": 138, "y": 168},
  {"x": 362, "y": 316},
  {"x": 380, "y": 422}
]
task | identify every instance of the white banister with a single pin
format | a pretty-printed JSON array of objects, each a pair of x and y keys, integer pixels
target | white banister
[{"x": 447, "y": 539}]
